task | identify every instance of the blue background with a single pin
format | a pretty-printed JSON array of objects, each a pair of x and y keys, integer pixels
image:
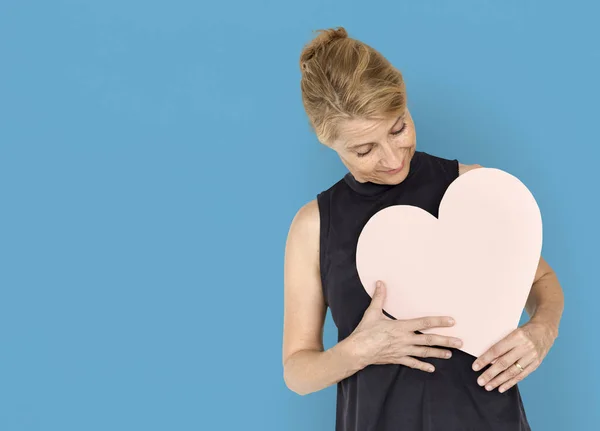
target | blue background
[{"x": 153, "y": 155}]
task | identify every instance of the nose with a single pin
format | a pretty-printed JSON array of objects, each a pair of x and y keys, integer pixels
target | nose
[{"x": 392, "y": 160}]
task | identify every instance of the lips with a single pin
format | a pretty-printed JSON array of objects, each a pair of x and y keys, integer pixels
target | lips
[{"x": 393, "y": 171}]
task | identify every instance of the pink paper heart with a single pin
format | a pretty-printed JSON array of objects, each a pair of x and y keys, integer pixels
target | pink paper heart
[{"x": 476, "y": 262}]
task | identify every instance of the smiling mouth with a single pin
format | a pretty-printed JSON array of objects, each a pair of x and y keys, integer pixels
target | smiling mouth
[{"x": 391, "y": 171}]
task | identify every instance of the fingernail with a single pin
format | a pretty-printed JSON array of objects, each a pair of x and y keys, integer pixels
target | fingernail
[
  {"x": 480, "y": 381},
  {"x": 475, "y": 366},
  {"x": 379, "y": 284}
]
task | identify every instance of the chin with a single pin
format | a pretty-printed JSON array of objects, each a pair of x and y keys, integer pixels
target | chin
[{"x": 394, "y": 178}]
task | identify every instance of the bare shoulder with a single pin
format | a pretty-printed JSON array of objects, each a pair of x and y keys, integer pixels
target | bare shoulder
[
  {"x": 466, "y": 168},
  {"x": 306, "y": 222}
]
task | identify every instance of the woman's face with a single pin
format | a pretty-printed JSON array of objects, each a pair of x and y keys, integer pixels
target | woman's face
[{"x": 369, "y": 148}]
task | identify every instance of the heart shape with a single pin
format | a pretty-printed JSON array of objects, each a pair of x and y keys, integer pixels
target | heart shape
[{"x": 476, "y": 262}]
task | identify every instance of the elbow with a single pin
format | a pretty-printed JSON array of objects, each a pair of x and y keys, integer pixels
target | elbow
[
  {"x": 291, "y": 380},
  {"x": 291, "y": 383}
]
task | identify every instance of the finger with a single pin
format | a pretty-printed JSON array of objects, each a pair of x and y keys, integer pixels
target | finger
[
  {"x": 504, "y": 362},
  {"x": 497, "y": 350},
  {"x": 429, "y": 352},
  {"x": 378, "y": 295},
  {"x": 526, "y": 371},
  {"x": 435, "y": 340},
  {"x": 429, "y": 322},
  {"x": 411, "y": 362},
  {"x": 512, "y": 372}
]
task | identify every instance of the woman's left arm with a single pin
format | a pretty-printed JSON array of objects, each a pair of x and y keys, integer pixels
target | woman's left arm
[
  {"x": 546, "y": 301},
  {"x": 522, "y": 351},
  {"x": 529, "y": 344}
]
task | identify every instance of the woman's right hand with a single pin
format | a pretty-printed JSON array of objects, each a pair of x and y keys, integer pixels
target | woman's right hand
[{"x": 381, "y": 340}]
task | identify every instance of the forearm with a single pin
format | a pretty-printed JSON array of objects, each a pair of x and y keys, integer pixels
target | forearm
[
  {"x": 309, "y": 371},
  {"x": 545, "y": 303}
]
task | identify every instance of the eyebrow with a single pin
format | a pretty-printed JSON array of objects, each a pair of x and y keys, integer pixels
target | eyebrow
[{"x": 369, "y": 143}]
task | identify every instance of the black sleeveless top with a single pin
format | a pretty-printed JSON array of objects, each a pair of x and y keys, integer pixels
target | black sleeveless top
[{"x": 394, "y": 397}]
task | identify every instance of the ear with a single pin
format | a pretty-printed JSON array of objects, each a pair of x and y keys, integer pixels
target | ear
[{"x": 466, "y": 168}]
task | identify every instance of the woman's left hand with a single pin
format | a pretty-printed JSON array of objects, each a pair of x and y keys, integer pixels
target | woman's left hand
[{"x": 528, "y": 345}]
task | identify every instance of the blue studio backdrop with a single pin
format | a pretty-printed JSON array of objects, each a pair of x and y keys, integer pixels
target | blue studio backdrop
[{"x": 154, "y": 153}]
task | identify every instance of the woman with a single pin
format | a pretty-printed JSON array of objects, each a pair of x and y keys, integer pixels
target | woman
[{"x": 356, "y": 102}]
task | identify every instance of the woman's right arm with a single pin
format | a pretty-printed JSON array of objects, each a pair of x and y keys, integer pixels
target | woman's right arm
[
  {"x": 307, "y": 366},
  {"x": 376, "y": 340}
]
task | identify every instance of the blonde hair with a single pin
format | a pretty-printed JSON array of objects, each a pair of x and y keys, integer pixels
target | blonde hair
[{"x": 345, "y": 79}]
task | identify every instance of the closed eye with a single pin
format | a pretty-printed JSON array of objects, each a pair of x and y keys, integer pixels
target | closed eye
[
  {"x": 400, "y": 131},
  {"x": 393, "y": 133}
]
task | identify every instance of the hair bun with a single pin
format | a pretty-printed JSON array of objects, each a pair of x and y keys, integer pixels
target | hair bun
[{"x": 324, "y": 37}]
